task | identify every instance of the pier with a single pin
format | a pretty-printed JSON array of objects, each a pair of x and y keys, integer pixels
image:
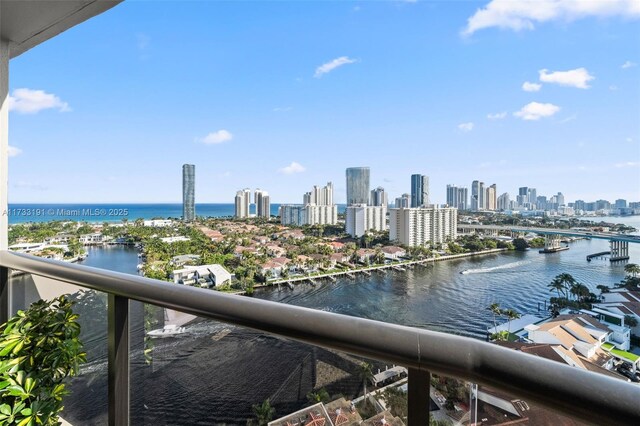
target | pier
[{"x": 602, "y": 253}]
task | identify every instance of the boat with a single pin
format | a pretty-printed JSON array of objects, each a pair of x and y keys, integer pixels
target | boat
[{"x": 170, "y": 330}]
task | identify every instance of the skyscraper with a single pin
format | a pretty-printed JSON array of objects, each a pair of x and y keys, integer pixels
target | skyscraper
[
  {"x": 419, "y": 190},
  {"x": 457, "y": 197},
  {"x": 403, "y": 202},
  {"x": 263, "y": 206},
  {"x": 319, "y": 196},
  {"x": 492, "y": 198},
  {"x": 188, "y": 192},
  {"x": 243, "y": 203},
  {"x": 478, "y": 196},
  {"x": 379, "y": 197},
  {"x": 357, "y": 185},
  {"x": 504, "y": 203}
]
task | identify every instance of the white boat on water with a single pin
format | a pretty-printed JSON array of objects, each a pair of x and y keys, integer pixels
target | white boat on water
[{"x": 170, "y": 330}]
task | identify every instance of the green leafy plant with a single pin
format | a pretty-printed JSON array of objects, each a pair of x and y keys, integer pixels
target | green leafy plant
[{"x": 39, "y": 349}]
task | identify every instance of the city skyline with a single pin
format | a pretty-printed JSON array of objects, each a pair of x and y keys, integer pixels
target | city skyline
[{"x": 457, "y": 99}]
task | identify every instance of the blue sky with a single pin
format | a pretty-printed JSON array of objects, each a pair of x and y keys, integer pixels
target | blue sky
[{"x": 285, "y": 95}]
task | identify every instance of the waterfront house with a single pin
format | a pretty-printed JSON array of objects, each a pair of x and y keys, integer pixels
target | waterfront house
[
  {"x": 393, "y": 252},
  {"x": 622, "y": 302},
  {"x": 338, "y": 258},
  {"x": 171, "y": 240},
  {"x": 273, "y": 267},
  {"x": 213, "y": 275},
  {"x": 365, "y": 255},
  {"x": 184, "y": 259},
  {"x": 577, "y": 339},
  {"x": 93, "y": 238}
]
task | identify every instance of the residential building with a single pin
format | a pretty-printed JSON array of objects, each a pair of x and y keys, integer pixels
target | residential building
[
  {"x": 310, "y": 214},
  {"x": 361, "y": 218},
  {"x": 292, "y": 214},
  {"x": 188, "y": 192},
  {"x": 621, "y": 204},
  {"x": 357, "y": 185},
  {"x": 379, "y": 197},
  {"x": 422, "y": 226},
  {"x": 263, "y": 206},
  {"x": 243, "y": 203},
  {"x": 403, "y": 202},
  {"x": 620, "y": 302},
  {"x": 492, "y": 198},
  {"x": 457, "y": 197},
  {"x": 321, "y": 196},
  {"x": 503, "y": 203},
  {"x": 478, "y": 195},
  {"x": 576, "y": 339},
  {"x": 419, "y": 190},
  {"x": 213, "y": 275}
]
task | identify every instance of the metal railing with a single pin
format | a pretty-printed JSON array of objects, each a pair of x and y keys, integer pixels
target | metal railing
[{"x": 590, "y": 397}]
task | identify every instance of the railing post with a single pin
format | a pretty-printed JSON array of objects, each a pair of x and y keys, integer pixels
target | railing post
[
  {"x": 419, "y": 390},
  {"x": 4, "y": 294},
  {"x": 118, "y": 338}
]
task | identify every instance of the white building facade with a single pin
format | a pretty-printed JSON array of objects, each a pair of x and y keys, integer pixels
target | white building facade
[
  {"x": 421, "y": 226},
  {"x": 243, "y": 203},
  {"x": 361, "y": 218}
]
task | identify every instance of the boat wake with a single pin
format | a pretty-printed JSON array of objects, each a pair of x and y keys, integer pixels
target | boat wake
[{"x": 501, "y": 268}]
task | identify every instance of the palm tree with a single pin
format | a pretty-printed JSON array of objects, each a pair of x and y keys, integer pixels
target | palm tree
[
  {"x": 511, "y": 315},
  {"x": 496, "y": 311},
  {"x": 567, "y": 280},
  {"x": 264, "y": 412},
  {"x": 632, "y": 269},
  {"x": 557, "y": 286},
  {"x": 365, "y": 373}
]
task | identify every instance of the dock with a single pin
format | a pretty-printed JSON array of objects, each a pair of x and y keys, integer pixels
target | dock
[{"x": 602, "y": 253}]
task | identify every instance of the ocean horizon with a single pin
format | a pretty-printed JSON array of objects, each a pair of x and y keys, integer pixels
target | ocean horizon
[{"x": 117, "y": 212}]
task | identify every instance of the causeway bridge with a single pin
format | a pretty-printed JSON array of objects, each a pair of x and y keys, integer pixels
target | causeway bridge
[{"x": 619, "y": 243}]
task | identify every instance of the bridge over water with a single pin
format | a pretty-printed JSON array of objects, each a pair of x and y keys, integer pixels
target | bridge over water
[{"x": 619, "y": 243}]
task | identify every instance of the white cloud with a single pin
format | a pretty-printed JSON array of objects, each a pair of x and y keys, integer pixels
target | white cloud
[
  {"x": 332, "y": 65},
  {"x": 628, "y": 64},
  {"x": 292, "y": 168},
  {"x": 574, "y": 78},
  {"x": 570, "y": 118},
  {"x": 629, "y": 140},
  {"x": 216, "y": 137},
  {"x": 14, "y": 151},
  {"x": 282, "y": 109},
  {"x": 29, "y": 101},
  {"x": 531, "y": 87},
  {"x": 466, "y": 127},
  {"x": 497, "y": 115},
  {"x": 628, "y": 164},
  {"x": 536, "y": 111},
  {"x": 613, "y": 87},
  {"x": 525, "y": 14}
]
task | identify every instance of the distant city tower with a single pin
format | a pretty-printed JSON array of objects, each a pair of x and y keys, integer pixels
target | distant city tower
[
  {"x": 188, "y": 192},
  {"x": 357, "y": 185},
  {"x": 419, "y": 190}
]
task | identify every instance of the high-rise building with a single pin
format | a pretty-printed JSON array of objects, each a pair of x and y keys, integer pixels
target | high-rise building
[
  {"x": 243, "y": 203},
  {"x": 421, "y": 226},
  {"x": 478, "y": 195},
  {"x": 503, "y": 203},
  {"x": 361, "y": 218},
  {"x": 403, "y": 202},
  {"x": 419, "y": 190},
  {"x": 492, "y": 198},
  {"x": 188, "y": 192},
  {"x": 457, "y": 197},
  {"x": 321, "y": 196},
  {"x": 292, "y": 215},
  {"x": 379, "y": 197},
  {"x": 357, "y": 185},
  {"x": 621, "y": 204},
  {"x": 533, "y": 197},
  {"x": 263, "y": 205},
  {"x": 560, "y": 199}
]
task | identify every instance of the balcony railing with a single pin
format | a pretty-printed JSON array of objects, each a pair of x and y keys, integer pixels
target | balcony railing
[{"x": 590, "y": 397}]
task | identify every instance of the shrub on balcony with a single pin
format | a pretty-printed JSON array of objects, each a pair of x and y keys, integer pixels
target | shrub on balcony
[{"x": 39, "y": 349}]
